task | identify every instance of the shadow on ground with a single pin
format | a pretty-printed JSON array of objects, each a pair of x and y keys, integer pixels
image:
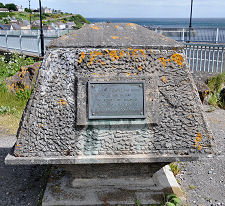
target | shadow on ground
[{"x": 20, "y": 185}]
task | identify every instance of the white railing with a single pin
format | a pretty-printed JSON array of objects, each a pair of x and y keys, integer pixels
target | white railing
[
  {"x": 205, "y": 57},
  {"x": 211, "y": 35}
]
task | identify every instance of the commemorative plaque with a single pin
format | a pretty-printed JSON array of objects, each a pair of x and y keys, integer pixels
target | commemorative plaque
[{"x": 116, "y": 100}]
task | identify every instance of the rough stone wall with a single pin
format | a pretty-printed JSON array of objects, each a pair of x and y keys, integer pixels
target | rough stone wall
[{"x": 49, "y": 124}]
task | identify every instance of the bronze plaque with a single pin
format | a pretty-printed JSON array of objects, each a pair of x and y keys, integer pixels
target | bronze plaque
[{"x": 116, "y": 100}]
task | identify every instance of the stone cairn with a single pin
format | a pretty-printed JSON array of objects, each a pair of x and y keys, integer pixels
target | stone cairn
[{"x": 112, "y": 104}]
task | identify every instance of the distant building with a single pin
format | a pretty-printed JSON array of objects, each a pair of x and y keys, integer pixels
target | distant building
[
  {"x": 47, "y": 10},
  {"x": 56, "y": 11},
  {"x": 4, "y": 10},
  {"x": 70, "y": 25},
  {"x": 20, "y": 8},
  {"x": 24, "y": 24}
]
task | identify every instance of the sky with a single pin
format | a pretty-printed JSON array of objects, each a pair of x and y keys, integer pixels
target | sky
[{"x": 133, "y": 8}]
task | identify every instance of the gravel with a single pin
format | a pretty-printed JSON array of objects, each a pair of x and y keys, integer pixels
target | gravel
[
  {"x": 208, "y": 174},
  {"x": 203, "y": 181}
]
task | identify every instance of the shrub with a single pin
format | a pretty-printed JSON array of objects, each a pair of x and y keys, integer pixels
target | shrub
[{"x": 216, "y": 85}]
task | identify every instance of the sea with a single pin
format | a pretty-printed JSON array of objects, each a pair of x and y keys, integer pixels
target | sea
[{"x": 167, "y": 22}]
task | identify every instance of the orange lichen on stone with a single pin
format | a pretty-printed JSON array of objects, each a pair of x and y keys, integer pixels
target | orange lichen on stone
[
  {"x": 94, "y": 54},
  {"x": 178, "y": 59},
  {"x": 113, "y": 55},
  {"x": 128, "y": 73},
  {"x": 94, "y": 27},
  {"x": 62, "y": 102},
  {"x": 197, "y": 140},
  {"x": 122, "y": 53},
  {"x": 164, "y": 79},
  {"x": 116, "y": 26},
  {"x": 115, "y": 37},
  {"x": 82, "y": 56},
  {"x": 132, "y": 25},
  {"x": 140, "y": 68},
  {"x": 163, "y": 61}
]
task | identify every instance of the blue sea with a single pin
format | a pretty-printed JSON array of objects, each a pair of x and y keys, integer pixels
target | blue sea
[{"x": 167, "y": 22}]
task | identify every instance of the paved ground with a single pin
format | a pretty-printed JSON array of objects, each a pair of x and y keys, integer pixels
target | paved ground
[
  {"x": 19, "y": 185},
  {"x": 203, "y": 181}
]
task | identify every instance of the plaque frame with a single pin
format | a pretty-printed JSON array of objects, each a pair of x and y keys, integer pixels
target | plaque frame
[{"x": 135, "y": 116}]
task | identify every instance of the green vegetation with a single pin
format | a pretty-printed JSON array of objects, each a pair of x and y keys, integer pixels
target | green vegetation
[
  {"x": 172, "y": 200},
  {"x": 192, "y": 187},
  {"x": 216, "y": 84},
  {"x": 169, "y": 200},
  {"x": 78, "y": 20},
  {"x": 175, "y": 168},
  {"x": 12, "y": 102},
  {"x": 11, "y": 7},
  {"x": 10, "y": 63}
]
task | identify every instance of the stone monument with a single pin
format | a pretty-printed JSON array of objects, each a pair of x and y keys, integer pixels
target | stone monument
[{"x": 113, "y": 104}]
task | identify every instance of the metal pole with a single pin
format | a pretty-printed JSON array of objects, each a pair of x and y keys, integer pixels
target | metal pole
[
  {"x": 30, "y": 12},
  {"x": 190, "y": 24},
  {"x": 41, "y": 30}
]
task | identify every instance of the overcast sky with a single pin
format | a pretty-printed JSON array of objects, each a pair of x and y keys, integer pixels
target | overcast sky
[{"x": 134, "y": 8}]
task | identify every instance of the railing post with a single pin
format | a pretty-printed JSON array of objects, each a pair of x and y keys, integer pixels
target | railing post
[
  {"x": 183, "y": 35},
  {"x": 38, "y": 43},
  {"x": 217, "y": 35},
  {"x": 20, "y": 39},
  {"x": 6, "y": 39}
]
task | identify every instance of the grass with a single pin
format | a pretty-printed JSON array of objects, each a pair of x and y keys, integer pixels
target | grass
[
  {"x": 192, "y": 187},
  {"x": 175, "y": 168},
  {"x": 216, "y": 85},
  {"x": 12, "y": 103}
]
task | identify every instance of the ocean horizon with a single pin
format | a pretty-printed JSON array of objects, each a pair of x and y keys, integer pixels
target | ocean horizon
[{"x": 167, "y": 22}]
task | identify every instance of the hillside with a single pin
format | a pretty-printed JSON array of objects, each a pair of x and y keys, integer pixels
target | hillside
[{"x": 78, "y": 19}]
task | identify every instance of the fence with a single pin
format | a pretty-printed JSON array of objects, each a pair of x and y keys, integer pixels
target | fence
[
  {"x": 212, "y": 35},
  {"x": 205, "y": 57},
  {"x": 27, "y": 41}
]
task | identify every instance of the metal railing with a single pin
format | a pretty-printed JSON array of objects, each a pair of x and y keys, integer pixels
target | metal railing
[
  {"x": 212, "y": 35},
  {"x": 205, "y": 57},
  {"x": 27, "y": 41}
]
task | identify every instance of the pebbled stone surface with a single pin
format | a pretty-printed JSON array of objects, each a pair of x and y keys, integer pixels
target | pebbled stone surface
[
  {"x": 208, "y": 174},
  {"x": 49, "y": 128},
  {"x": 114, "y": 35},
  {"x": 18, "y": 185}
]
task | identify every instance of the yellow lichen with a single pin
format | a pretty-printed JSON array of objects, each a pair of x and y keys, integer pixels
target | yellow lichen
[
  {"x": 82, "y": 56},
  {"x": 178, "y": 59},
  {"x": 94, "y": 27},
  {"x": 163, "y": 61},
  {"x": 128, "y": 73},
  {"x": 116, "y": 26},
  {"x": 62, "y": 102},
  {"x": 113, "y": 55},
  {"x": 140, "y": 68},
  {"x": 115, "y": 37},
  {"x": 164, "y": 79}
]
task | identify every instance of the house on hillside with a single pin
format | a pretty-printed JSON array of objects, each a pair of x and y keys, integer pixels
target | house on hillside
[
  {"x": 47, "y": 10},
  {"x": 4, "y": 10},
  {"x": 58, "y": 26},
  {"x": 15, "y": 26},
  {"x": 20, "y": 8},
  {"x": 3, "y": 27},
  {"x": 70, "y": 25},
  {"x": 24, "y": 24},
  {"x": 56, "y": 11}
]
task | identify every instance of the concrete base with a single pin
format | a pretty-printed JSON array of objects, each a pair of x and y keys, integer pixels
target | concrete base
[{"x": 71, "y": 188}]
